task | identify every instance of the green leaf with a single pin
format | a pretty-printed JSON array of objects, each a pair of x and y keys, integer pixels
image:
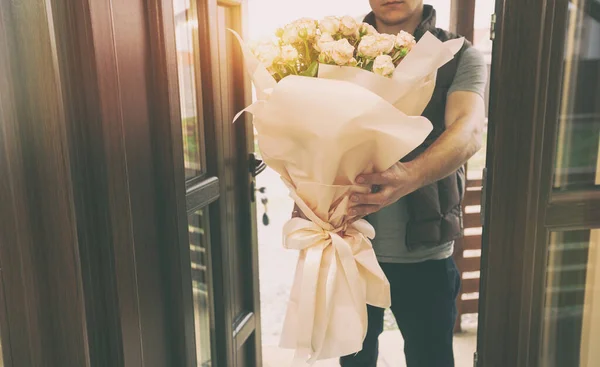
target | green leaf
[{"x": 312, "y": 70}]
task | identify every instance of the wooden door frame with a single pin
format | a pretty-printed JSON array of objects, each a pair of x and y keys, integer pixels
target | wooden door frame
[
  {"x": 462, "y": 18},
  {"x": 42, "y": 283},
  {"x": 82, "y": 85},
  {"x": 516, "y": 118},
  {"x": 228, "y": 336},
  {"x": 246, "y": 326},
  {"x": 522, "y": 210}
]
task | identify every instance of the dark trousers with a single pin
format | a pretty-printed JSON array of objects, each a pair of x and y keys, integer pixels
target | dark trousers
[{"x": 424, "y": 305}]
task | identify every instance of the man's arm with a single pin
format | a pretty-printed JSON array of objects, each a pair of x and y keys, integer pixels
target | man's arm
[{"x": 465, "y": 116}]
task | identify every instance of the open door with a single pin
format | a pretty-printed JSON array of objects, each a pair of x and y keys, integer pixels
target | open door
[
  {"x": 540, "y": 304},
  {"x": 127, "y": 231},
  {"x": 214, "y": 271}
]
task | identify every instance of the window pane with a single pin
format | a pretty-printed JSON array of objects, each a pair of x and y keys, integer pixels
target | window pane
[
  {"x": 577, "y": 153},
  {"x": 198, "y": 233},
  {"x": 186, "y": 27},
  {"x": 572, "y": 309}
]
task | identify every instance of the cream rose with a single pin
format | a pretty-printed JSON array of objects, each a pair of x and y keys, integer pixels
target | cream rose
[
  {"x": 384, "y": 65},
  {"x": 267, "y": 52},
  {"x": 342, "y": 52},
  {"x": 307, "y": 28},
  {"x": 323, "y": 42},
  {"x": 369, "y": 47},
  {"x": 367, "y": 30},
  {"x": 330, "y": 25},
  {"x": 386, "y": 43},
  {"x": 349, "y": 26},
  {"x": 405, "y": 39},
  {"x": 289, "y": 53},
  {"x": 290, "y": 34}
]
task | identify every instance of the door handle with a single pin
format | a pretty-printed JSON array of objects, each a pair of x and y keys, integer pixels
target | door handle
[{"x": 255, "y": 165}]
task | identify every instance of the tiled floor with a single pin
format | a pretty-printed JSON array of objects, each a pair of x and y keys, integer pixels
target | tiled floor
[{"x": 390, "y": 349}]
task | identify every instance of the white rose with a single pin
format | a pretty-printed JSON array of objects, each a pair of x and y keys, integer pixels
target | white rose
[
  {"x": 324, "y": 41},
  {"x": 349, "y": 26},
  {"x": 367, "y": 30},
  {"x": 307, "y": 28},
  {"x": 384, "y": 65},
  {"x": 405, "y": 39},
  {"x": 386, "y": 43},
  {"x": 266, "y": 52},
  {"x": 342, "y": 52},
  {"x": 369, "y": 47},
  {"x": 289, "y": 53},
  {"x": 290, "y": 34},
  {"x": 330, "y": 25}
]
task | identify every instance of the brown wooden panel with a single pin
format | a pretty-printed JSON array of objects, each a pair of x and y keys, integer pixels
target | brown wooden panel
[
  {"x": 469, "y": 264},
  {"x": 169, "y": 162},
  {"x": 470, "y": 285},
  {"x": 472, "y": 220},
  {"x": 16, "y": 342},
  {"x": 519, "y": 122},
  {"x": 470, "y": 306},
  {"x": 471, "y": 243},
  {"x": 472, "y": 198},
  {"x": 462, "y": 18},
  {"x": 40, "y": 256},
  {"x": 474, "y": 184}
]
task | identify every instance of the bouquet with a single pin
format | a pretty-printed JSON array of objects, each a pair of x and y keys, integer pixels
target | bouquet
[
  {"x": 336, "y": 99},
  {"x": 301, "y": 46}
]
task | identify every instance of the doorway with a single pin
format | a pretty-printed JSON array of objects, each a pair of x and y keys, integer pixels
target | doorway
[{"x": 276, "y": 276}]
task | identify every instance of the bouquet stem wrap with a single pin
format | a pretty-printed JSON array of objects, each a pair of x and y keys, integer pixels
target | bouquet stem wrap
[{"x": 319, "y": 134}]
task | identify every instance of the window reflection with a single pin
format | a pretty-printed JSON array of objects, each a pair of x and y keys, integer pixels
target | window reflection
[
  {"x": 198, "y": 234},
  {"x": 186, "y": 26},
  {"x": 572, "y": 309},
  {"x": 577, "y": 157}
]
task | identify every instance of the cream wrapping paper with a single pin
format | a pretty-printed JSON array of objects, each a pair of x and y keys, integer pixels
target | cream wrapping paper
[{"x": 319, "y": 134}]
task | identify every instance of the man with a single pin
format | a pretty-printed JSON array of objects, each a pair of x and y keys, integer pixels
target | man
[{"x": 415, "y": 207}]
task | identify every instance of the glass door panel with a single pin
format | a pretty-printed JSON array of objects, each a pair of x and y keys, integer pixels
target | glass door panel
[
  {"x": 199, "y": 240},
  {"x": 572, "y": 304},
  {"x": 577, "y": 161},
  {"x": 186, "y": 28},
  {"x": 571, "y": 313}
]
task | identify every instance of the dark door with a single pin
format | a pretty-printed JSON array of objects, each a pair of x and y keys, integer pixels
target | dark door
[
  {"x": 540, "y": 301},
  {"x": 199, "y": 69},
  {"x": 127, "y": 231}
]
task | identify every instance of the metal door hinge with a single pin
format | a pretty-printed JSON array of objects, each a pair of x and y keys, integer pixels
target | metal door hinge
[
  {"x": 493, "y": 27},
  {"x": 475, "y": 359}
]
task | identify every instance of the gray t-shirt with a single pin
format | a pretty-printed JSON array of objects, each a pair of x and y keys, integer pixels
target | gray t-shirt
[{"x": 390, "y": 222}]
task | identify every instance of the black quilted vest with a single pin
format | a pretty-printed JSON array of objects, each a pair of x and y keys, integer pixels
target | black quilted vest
[{"x": 435, "y": 215}]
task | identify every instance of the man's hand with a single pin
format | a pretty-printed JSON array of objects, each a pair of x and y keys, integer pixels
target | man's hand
[
  {"x": 465, "y": 116},
  {"x": 389, "y": 186},
  {"x": 297, "y": 213}
]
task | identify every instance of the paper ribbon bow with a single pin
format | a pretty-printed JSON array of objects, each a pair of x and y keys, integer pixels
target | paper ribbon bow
[{"x": 337, "y": 276}]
